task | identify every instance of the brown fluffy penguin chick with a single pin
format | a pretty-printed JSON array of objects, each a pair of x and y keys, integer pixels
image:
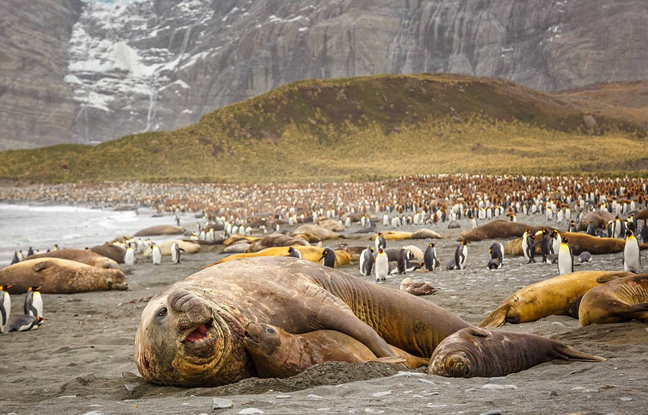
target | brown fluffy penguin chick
[{"x": 417, "y": 287}]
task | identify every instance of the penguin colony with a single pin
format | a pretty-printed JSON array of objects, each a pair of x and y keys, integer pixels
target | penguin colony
[{"x": 244, "y": 210}]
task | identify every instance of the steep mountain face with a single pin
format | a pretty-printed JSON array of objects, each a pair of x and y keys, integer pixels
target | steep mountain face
[{"x": 160, "y": 64}]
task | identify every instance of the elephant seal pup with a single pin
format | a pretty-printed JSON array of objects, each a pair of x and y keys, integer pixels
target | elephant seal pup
[
  {"x": 553, "y": 296},
  {"x": 279, "y": 354},
  {"x": 474, "y": 352},
  {"x": 321, "y": 233},
  {"x": 498, "y": 229},
  {"x": 60, "y": 276},
  {"x": 160, "y": 230},
  {"x": 85, "y": 256},
  {"x": 191, "y": 334},
  {"x": 620, "y": 300}
]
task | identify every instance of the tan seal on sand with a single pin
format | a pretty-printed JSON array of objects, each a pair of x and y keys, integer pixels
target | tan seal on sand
[
  {"x": 473, "y": 352},
  {"x": 114, "y": 252},
  {"x": 160, "y": 230},
  {"x": 598, "y": 218},
  {"x": 84, "y": 256},
  {"x": 279, "y": 354},
  {"x": 553, "y": 296},
  {"x": 60, "y": 276},
  {"x": 620, "y": 300},
  {"x": 192, "y": 333}
]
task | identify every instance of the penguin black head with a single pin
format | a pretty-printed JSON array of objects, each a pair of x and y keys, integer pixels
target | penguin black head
[
  {"x": 629, "y": 233},
  {"x": 431, "y": 245},
  {"x": 565, "y": 240},
  {"x": 5, "y": 287},
  {"x": 34, "y": 288},
  {"x": 380, "y": 250}
]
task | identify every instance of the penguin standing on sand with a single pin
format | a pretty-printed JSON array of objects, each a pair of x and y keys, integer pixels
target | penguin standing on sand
[
  {"x": 15, "y": 259},
  {"x": 572, "y": 228},
  {"x": 528, "y": 246},
  {"x": 381, "y": 266},
  {"x": 631, "y": 253},
  {"x": 30, "y": 251},
  {"x": 366, "y": 261},
  {"x": 556, "y": 240},
  {"x": 545, "y": 245},
  {"x": 591, "y": 230},
  {"x": 328, "y": 255},
  {"x": 430, "y": 258},
  {"x": 380, "y": 241},
  {"x": 461, "y": 255},
  {"x": 156, "y": 254},
  {"x": 644, "y": 232},
  {"x": 5, "y": 307},
  {"x": 129, "y": 256},
  {"x": 294, "y": 253},
  {"x": 25, "y": 323},
  {"x": 565, "y": 258},
  {"x": 402, "y": 260},
  {"x": 175, "y": 253},
  {"x": 497, "y": 256},
  {"x": 33, "y": 302}
]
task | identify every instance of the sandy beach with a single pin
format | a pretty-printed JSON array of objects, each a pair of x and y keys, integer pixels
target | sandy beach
[{"x": 81, "y": 360}]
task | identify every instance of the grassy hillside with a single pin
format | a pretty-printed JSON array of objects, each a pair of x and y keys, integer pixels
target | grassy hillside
[{"x": 360, "y": 128}]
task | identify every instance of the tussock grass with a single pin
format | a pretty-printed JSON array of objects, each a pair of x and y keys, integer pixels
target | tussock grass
[{"x": 358, "y": 129}]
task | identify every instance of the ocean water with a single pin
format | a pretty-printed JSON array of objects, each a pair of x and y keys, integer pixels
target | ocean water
[{"x": 40, "y": 227}]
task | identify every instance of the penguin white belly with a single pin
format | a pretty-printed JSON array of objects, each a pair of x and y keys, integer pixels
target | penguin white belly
[
  {"x": 382, "y": 267},
  {"x": 631, "y": 257},
  {"x": 5, "y": 311}
]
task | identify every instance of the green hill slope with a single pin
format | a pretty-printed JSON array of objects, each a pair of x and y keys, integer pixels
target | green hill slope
[{"x": 359, "y": 128}]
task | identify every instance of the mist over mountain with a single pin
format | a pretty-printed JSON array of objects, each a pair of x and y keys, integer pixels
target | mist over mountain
[{"x": 80, "y": 72}]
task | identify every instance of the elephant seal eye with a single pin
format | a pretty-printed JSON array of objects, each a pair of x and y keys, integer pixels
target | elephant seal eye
[
  {"x": 162, "y": 312},
  {"x": 270, "y": 330}
]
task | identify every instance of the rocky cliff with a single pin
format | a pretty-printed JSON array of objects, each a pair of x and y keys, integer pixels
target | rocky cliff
[{"x": 106, "y": 70}]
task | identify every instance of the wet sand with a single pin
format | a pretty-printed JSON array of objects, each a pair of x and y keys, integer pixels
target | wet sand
[{"x": 81, "y": 360}]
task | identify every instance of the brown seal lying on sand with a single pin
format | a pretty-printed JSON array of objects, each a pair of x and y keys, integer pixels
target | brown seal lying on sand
[
  {"x": 553, "y": 296},
  {"x": 579, "y": 243},
  {"x": 84, "y": 256},
  {"x": 473, "y": 352},
  {"x": 598, "y": 218},
  {"x": 192, "y": 333},
  {"x": 160, "y": 230},
  {"x": 60, "y": 276},
  {"x": 620, "y": 300},
  {"x": 114, "y": 252},
  {"x": 498, "y": 229},
  {"x": 279, "y": 354}
]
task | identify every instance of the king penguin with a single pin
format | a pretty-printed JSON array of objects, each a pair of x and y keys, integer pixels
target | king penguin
[
  {"x": 497, "y": 252},
  {"x": 5, "y": 307},
  {"x": 381, "y": 266},
  {"x": 175, "y": 253},
  {"x": 565, "y": 258},
  {"x": 461, "y": 255},
  {"x": 25, "y": 323},
  {"x": 631, "y": 253},
  {"x": 366, "y": 261},
  {"x": 294, "y": 253},
  {"x": 15, "y": 259},
  {"x": 328, "y": 255},
  {"x": 156, "y": 254},
  {"x": 129, "y": 256},
  {"x": 402, "y": 260},
  {"x": 380, "y": 241},
  {"x": 33, "y": 302},
  {"x": 430, "y": 257}
]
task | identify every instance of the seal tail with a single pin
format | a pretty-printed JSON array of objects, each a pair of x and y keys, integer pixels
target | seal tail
[
  {"x": 495, "y": 319},
  {"x": 565, "y": 352}
]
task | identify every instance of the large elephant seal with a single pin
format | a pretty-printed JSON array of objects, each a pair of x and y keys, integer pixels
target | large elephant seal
[
  {"x": 498, "y": 229},
  {"x": 553, "y": 296},
  {"x": 321, "y": 233},
  {"x": 279, "y": 354},
  {"x": 579, "y": 243},
  {"x": 160, "y": 230},
  {"x": 85, "y": 256},
  {"x": 309, "y": 253},
  {"x": 620, "y": 300},
  {"x": 60, "y": 276},
  {"x": 192, "y": 333},
  {"x": 473, "y": 352}
]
